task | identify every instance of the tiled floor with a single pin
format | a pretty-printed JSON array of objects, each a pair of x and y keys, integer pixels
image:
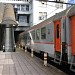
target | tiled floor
[{"x": 20, "y": 63}]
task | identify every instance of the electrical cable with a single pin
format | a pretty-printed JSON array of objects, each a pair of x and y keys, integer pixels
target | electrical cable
[{"x": 56, "y": 2}]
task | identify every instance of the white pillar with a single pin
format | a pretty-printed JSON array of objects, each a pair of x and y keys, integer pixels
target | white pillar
[
  {"x": 25, "y": 48},
  {"x": 9, "y": 39},
  {"x": 22, "y": 47},
  {"x": 19, "y": 45},
  {"x": 32, "y": 53},
  {"x": 45, "y": 59}
]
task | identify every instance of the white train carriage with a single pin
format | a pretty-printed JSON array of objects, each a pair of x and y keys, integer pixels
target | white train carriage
[{"x": 55, "y": 36}]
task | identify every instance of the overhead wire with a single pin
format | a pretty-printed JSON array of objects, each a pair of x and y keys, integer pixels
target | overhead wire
[
  {"x": 56, "y": 2},
  {"x": 61, "y": 2}
]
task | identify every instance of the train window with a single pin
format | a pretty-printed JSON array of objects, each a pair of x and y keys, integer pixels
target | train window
[
  {"x": 57, "y": 31},
  {"x": 33, "y": 35},
  {"x": 25, "y": 36},
  {"x": 28, "y": 36},
  {"x": 38, "y": 34},
  {"x": 43, "y": 33}
]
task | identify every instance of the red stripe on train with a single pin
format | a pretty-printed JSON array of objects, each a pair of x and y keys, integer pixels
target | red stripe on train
[
  {"x": 50, "y": 43},
  {"x": 44, "y": 42}
]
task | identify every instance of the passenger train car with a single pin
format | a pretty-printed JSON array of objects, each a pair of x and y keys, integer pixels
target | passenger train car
[{"x": 56, "y": 36}]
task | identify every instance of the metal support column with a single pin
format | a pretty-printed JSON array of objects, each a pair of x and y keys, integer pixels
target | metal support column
[{"x": 9, "y": 39}]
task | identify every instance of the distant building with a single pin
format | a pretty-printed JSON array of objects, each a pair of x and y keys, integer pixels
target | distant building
[
  {"x": 32, "y": 12},
  {"x": 43, "y": 10}
]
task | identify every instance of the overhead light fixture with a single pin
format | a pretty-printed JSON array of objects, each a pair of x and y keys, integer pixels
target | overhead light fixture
[{"x": 13, "y": 25}]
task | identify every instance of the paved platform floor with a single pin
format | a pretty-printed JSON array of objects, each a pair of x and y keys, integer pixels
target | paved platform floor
[{"x": 21, "y": 63}]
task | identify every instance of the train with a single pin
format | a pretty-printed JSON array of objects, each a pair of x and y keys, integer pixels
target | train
[{"x": 55, "y": 36}]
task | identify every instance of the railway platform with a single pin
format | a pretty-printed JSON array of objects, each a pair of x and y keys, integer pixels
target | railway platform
[{"x": 21, "y": 63}]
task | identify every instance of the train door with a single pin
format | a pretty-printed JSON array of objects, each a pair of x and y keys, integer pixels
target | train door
[
  {"x": 57, "y": 41},
  {"x": 72, "y": 21},
  {"x": 73, "y": 34}
]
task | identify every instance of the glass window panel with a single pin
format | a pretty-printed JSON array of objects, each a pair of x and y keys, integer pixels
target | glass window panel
[
  {"x": 27, "y": 7},
  {"x": 43, "y": 33},
  {"x": 59, "y": 5},
  {"x": 57, "y": 30},
  {"x": 42, "y": 15},
  {"x": 38, "y": 34},
  {"x": 18, "y": 7},
  {"x": 23, "y": 8},
  {"x": 23, "y": 19}
]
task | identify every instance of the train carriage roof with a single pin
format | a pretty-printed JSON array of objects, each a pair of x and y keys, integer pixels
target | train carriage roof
[
  {"x": 42, "y": 24},
  {"x": 68, "y": 12},
  {"x": 57, "y": 16},
  {"x": 71, "y": 11}
]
